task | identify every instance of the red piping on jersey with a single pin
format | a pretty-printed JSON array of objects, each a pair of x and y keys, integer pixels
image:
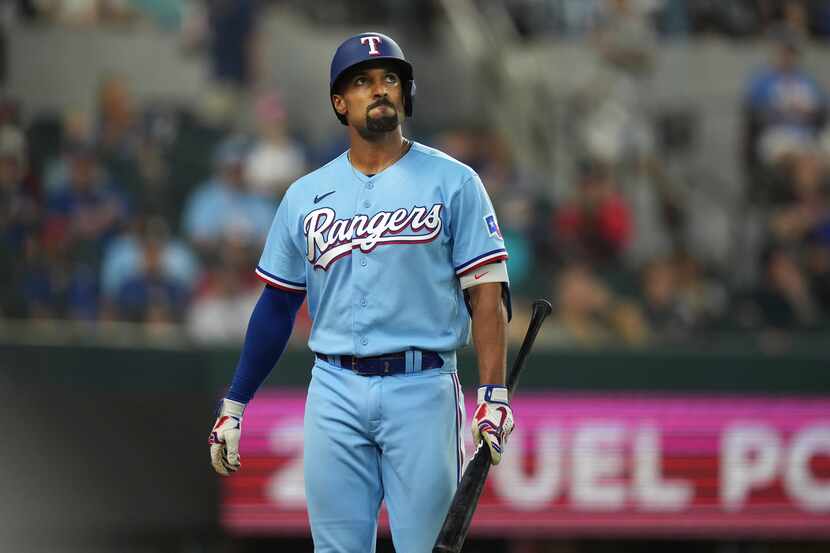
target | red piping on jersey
[
  {"x": 502, "y": 257},
  {"x": 275, "y": 285}
]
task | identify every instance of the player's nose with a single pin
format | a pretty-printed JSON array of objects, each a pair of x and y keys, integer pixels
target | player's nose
[{"x": 379, "y": 88}]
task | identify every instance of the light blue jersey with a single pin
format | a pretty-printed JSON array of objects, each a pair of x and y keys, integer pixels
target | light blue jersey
[{"x": 380, "y": 257}]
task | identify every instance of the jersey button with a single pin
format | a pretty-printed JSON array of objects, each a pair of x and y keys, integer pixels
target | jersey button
[
  {"x": 364, "y": 340},
  {"x": 363, "y": 302},
  {"x": 366, "y": 203},
  {"x": 363, "y": 262},
  {"x": 369, "y": 186}
]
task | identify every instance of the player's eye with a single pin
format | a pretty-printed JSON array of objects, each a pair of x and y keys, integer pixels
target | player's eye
[
  {"x": 391, "y": 78},
  {"x": 360, "y": 81}
]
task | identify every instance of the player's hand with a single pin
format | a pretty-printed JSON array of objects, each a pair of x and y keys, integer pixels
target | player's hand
[
  {"x": 493, "y": 420},
  {"x": 224, "y": 438}
]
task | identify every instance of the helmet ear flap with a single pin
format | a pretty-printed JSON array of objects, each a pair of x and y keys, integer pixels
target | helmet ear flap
[{"x": 409, "y": 96}]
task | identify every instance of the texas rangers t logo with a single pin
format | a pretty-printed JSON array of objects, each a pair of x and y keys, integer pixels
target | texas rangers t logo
[
  {"x": 329, "y": 238},
  {"x": 373, "y": 42}
]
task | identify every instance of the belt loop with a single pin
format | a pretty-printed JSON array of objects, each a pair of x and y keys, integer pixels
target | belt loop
[
  {"x": 417, "y": 362},
  {"x": 408, "y": 361},
  {"x": 335, "y": 360}
]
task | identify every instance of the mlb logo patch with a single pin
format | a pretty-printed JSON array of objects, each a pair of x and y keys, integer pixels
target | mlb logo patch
[{"x": 493, "y": 226}]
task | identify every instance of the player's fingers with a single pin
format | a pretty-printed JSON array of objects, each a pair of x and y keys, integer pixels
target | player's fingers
[
  {"x": 232, "y": 449},
  {"x": 507, "y": 429},
  {"x": 228, "y": 467},
  {"x": 476, "y": 433},
  {"x": 226, "y": 456},
  {"x": 495, "y": 447},
  {"x": 216, "y": 459},
  {"x": 231, "y": 459}
]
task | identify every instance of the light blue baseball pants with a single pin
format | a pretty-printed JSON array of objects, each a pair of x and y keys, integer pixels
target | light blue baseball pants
[{"x": 394, "y": 438}]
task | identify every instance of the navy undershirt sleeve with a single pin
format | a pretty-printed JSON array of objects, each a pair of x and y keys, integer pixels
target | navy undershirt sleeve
[{"x": 268, "y": 332}]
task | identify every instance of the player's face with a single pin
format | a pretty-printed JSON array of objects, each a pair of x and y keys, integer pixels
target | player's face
[{"x": 372, "y": 100}]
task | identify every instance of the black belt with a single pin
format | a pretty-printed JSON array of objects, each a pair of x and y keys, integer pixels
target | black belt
[{"x": 382, "y": 365}]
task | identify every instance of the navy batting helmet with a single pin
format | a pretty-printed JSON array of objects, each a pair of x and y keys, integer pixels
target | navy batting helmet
[{"x": 367, "y": 47}]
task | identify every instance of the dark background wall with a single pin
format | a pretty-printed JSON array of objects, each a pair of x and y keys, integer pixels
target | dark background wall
[{"x": 84, "y": 466}]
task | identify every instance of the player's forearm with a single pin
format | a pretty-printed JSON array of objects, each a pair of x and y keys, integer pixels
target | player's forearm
[
  {"x": 268, "y": 332},
  {"x": 489, "y": 331}
]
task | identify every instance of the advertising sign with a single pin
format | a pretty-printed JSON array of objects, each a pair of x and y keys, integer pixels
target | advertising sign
[{"x": 595, "y": 465}]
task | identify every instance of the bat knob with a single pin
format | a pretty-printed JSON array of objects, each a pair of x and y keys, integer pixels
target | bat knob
[{"x": 543, "y": 306}]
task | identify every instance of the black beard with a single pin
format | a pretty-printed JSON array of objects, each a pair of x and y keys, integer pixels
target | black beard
[{"x": 384, "y": 124}]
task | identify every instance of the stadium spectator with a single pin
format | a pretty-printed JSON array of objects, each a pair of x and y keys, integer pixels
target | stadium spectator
[
  {"x": 19, "y": 218},
  {"x": 227, "y": 31},
  {"x": 116, "y": 115},
  {"x": 232, "y": 27},
  {"x": 660, "y": 302},
  {"x": 804, "y": 210},
  {"x": 679, "y": 303},
  {"x": 122, "y": 260},
  {"x": 79, "y": 12},
  {"x": 54, "y": 285},
  {"x": 736, "y": 18},
  {"x": 606, "y": 108},
  {"x": 87, "y": 211},
  {"x": 785, "y": 108},
  {"x": 275, "y": 160},
  {"x": 75, "y": 127},
  {"x": 464, "y": 145},
  {"x": 596, "y": 222},
  {"x": 703, "y": 299},
  {"x": 784, "y": 300},
  {"x": 818, "y": 16},
  {"x": 118, "y": 133},
  {"x": 221, "y": 315},
  {"x": 18, "y": 209},
  {"x": 794, "y": 17},
  {"x": 586, "y": 314},
  {"x": 224, "y": 206},
  {"x": 626, "y": 39},
  {"x": 152, "y": 296},
  {"x": 226, "y": 296}
]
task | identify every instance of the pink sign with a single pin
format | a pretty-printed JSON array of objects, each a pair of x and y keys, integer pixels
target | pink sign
[{"x": 582, "y": 465}]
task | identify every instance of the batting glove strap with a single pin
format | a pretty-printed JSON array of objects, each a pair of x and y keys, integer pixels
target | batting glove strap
[
  {"x": 228, "y": 417},
  {"x": 231, "y": 408},
  {"x": 492, "y": 393}
]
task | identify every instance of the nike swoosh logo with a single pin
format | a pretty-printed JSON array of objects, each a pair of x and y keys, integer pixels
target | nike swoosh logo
[
  {"x": 317, "y": 199},
  {"x": 477, "y": 276}
]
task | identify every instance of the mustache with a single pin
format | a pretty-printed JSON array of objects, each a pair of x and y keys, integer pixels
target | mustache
[{"x": 381, "y": 102}]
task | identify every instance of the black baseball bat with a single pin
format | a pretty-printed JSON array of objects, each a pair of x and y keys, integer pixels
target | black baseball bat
[{"x": 460, "y": 514}]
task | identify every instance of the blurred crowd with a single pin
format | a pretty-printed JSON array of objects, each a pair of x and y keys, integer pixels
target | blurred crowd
[
  {"x": 144, "y": 214},
  {"x": 532, "y": 18},
  {"x": 155, "y": 213},
  {"x": 675, "y": 18}
]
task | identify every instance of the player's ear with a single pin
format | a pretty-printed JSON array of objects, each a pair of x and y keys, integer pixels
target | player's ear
[{"x": 339, "y": 104}]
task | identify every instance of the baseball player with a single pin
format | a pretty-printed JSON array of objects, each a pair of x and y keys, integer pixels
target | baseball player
[{"x": 398, "y": 249}]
